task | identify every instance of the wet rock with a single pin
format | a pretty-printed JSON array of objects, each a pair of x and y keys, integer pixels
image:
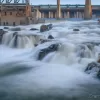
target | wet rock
[
  {"x": 6, "y": 27},
  {"x": 93, "y": 68},
  {"x": 2, "y": 32},
  {"x": 98, "y": 58},
  {"x": 43, "y": 41},
  {"x": 50, "y": 37},
  {"x": 84, "y": 52},
  {"x": 98, "y": 21},
  {"x": 93, "y": 43},
  {"x": 16, "y": 29},
  {"x": 15, "y": 35},
  {"x": 98, "y": 61},
  {"x": 33, "y": 29},
  {"x": 50, "y": 26},
  {"x": 90, "y": 46},
  {"x": 45, "y": 51},
  {"x": 35, "y": 45},
  {"x": 44, "y": 28},
  {"x": 76, "y": 30}
]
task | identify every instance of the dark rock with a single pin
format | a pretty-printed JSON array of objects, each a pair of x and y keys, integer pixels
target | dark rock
[
  {"x": 35, "y": 45},
  {"x": 44, "y": 28},
  {"x": 93, "y": 68},
  {"x": 76, "y": 30},
  {"x": 45, "y": 51},
  {"x": 2, "y": 32},
  {"x": 98, "y": 21},
  {"x": 92, "y": 43},
  {"x": 98, "y": 58},
  {"x": 16, "y": 29},
  {"x": 43, "y": 41},
  {"x": 50, "y": 37},
  {"x": 33, "y": 29},
  {"x": 6, "y": 27},
  {"x": 90, "y": 46},
  {"x": 15, "y": 34},
  {"x": 50, "y": 26},
  {"x": 98, "y": 61},
  {"x": 83, "y": 51}
]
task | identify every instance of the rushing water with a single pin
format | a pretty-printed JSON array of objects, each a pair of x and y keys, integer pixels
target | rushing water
[{"x": 60, "y": 75}]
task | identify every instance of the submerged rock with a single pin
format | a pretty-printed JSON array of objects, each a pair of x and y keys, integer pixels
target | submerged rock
[
  {"x": 45, "y": 51},
  {"x": 76, "y": 30},
  {"x": 84, "y": 51},
  {"x": 33, "y": 29},
  {"x": 6, "y": 27},
  {"x": 92, "y": 43},
  {"x": 93, "y": 68},
  {"x": 50, "y": 37},
  {"x": 35, "y": 45},
  {"x": 44, "y": 28},
  {"x": 98, "y": 21},
  {"x": 16, "y": 29},
  {"x": 2, "y": 32},
  {"x": 50, "y": 26},
  {"x": 44, "y": 40},
  {"x": 15, "y": 35}
]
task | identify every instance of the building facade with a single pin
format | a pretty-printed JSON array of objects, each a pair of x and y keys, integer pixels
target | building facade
[
  {"x": 23, "y": 13},
  {"x": 16, "y": 13}
]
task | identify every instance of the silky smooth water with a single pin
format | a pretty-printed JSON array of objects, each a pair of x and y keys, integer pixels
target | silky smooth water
[{"x": 60, "y": 75}]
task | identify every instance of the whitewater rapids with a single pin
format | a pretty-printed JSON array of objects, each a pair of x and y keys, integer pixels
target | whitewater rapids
[{"x": 59, "y": 75}]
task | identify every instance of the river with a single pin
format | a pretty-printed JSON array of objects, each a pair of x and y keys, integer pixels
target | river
[{"x": 60, "y": 74}]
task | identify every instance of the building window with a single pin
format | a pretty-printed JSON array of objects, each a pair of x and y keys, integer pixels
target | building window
[
  {"x": 5, "y": 13},
  {"x": 14, "y": 23},
  {"x": 10, "y": 13},
  {"x": 4, "y": 23}
]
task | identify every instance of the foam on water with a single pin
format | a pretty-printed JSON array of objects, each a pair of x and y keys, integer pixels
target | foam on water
[{"x": 60, "y": 72}]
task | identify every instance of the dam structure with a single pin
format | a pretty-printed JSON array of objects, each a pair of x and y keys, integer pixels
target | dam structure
[{"x": 21, "y": 12}]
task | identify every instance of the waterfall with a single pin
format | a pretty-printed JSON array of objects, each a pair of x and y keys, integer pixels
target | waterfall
[
  {"x": 55, "y": 68},
  {"x": 21, "y": 41}
]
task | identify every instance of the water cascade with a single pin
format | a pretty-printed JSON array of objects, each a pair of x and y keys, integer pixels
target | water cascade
[{"x": 57, "y": 68}]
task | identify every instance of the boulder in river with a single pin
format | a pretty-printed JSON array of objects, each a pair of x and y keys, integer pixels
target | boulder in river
[
  {"x": 50, "y": 37},
  {"x": 93, "y": 68},
  {"x": 15, "y": 34},
  {"x": 98, "y": 58},
  {"x": 46, "y": 51},
  {"x": 49, "y": 26},
  {"x": 6, "y": 27},
  {"x": 33, "y": 29},
  {"x": 2, "y": 32},
  {"x": 76, "y": 30},
  {"x": 16, "y": 29},
  {"x": 98, "y": 21},
  {"x": 44, "y": 41},
  {"x": 44, "y": 28}
]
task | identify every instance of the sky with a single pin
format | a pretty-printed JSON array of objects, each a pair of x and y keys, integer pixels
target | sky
[{"x": 36, "y": 2}]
